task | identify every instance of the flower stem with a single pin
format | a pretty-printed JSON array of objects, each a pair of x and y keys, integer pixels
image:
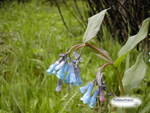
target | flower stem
[
  {"x": 103, "y": 66},
  {"x": 78, "y": 45},
  {"x": 119, "y": 77},
  {"x": 100, "y": 51}
]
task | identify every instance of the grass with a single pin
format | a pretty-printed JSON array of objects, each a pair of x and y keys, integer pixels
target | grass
[{"x": 32, "y": 36}]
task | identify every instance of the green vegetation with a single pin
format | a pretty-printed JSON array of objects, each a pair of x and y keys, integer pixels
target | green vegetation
[{"x": 32, "y": 36}]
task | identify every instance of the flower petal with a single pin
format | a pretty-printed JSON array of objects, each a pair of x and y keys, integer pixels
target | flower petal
[
  {"x": 93, "y": 98},
  {"x": 84, "y": 88},
  {"x": 51, "y": 68}
]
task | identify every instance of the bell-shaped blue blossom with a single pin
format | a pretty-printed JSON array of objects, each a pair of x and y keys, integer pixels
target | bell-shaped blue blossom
[
  {"x": 58, "y": 67},
  {"x": 67, "y": 79},
  {"x": 52, "y": 67},
  {"x": 84, "y": 88},
  {"x": 79, "y": 81},
  {"x": 78, "y": 78},
  {"x": 59, "y": 86},
  {"x": 72, "y": 74},
  {"x": 54, "y": 72},
  {"x": 62, "y": 72},
  {"x": 86, "y": 97},
  {"x": 93, "y": 98},
  {"x": 72, "y": 78}
]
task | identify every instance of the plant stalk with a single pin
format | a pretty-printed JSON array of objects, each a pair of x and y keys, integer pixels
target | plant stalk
[
  {"x": 72, "y": 48},
  {"x": 119, "y": 77}
]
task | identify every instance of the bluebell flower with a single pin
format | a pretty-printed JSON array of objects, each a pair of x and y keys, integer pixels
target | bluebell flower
[
  {"x": 86, "y": 97},
  {"x": 52, "y": 67},
  {"x": 72, "y": 74},
  {"x": 67, "y": 72},
  {"x": 75, "y": 78},
  {"x": 54, "y": 72},
  {"x": 58, "y": 67},
  {"x": 72, "y": 78},
  {"x": 93, "y": 98},
  {"x": 62, "y": 72},
  {"x": 78, "y": 77},
  {"x": 67, "y": 79},
  {"x": 59, "y": 86},
  {"x": 84, "y": 89}
]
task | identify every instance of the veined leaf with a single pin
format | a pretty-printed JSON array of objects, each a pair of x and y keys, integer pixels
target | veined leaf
[
  {"x": 134, "y": 75},
  {"x": 94, "y": 24},
  {"x": 134, "y": 40}
]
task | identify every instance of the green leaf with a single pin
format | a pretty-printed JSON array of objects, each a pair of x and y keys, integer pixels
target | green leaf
[
  {"x": 134, "y": 75},
  {"x": 118, "y": 61},
  {"x": 94, "y": 24},
  {"x": 134, "y": 40}
]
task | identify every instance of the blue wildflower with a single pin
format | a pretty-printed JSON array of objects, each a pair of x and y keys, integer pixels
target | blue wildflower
[
  {"x": 52, "y": 67},
  {"x": 59, "y": 86},
  {"x": 86, "y": 97},
  {"x": 67, "y": 72},
  {"x": 58, "y": 67},
  {"x": 93, "y": 98},
  {"x": 84, "y": 89},
  {"x": 72, "y": 74},
  {"x": 67, "y": 79},
  {"x": 54, "y": 72},
  {"x": 78, "y": 77},
  {"x": 62, "y": 72}
]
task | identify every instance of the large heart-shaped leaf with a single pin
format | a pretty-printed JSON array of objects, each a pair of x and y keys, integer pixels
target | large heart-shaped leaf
[
  {"x": 134, "y": 40},
  {"x": 94, "y": 24},
  {"x": 134, "y": 75}
]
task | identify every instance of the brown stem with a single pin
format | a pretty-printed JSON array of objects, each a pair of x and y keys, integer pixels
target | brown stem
[
  {"x": 82, "y": 45},
  {"x": 100, "y": 51},
  {"x": 102, "y": 67},
  {"x": 78, "y": 46},
  {"x": 72, "y": 48}
]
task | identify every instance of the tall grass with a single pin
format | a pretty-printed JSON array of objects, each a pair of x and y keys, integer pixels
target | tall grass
[{"x": 32, "y": 36}]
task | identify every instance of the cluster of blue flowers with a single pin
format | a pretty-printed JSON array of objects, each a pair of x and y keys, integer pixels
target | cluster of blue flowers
[
  {"x": 87, "y": 90},
  {"x": 67, "y": 72}
]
